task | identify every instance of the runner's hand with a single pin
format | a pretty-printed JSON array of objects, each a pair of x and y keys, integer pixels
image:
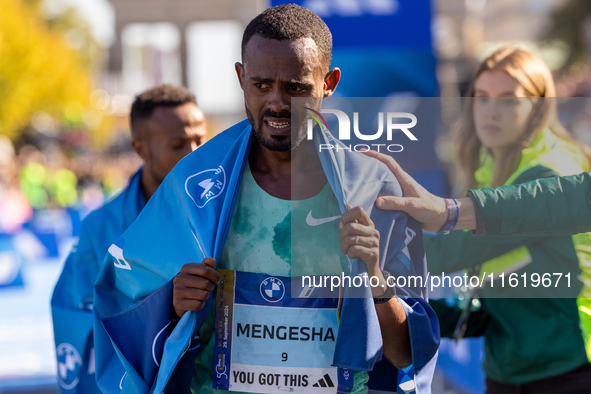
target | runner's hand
[
  {"x": 428, "y": 209},
  {"x": 359, "y": 238},
  {"x": 193, "y": 285}
]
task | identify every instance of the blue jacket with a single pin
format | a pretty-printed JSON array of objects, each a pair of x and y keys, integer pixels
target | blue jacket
[
  {"x": 187, "y": 220},
  {"x": 72, "y": 301}
]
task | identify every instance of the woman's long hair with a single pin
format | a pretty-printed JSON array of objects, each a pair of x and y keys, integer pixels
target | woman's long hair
[{"x": 535, "y": 77}]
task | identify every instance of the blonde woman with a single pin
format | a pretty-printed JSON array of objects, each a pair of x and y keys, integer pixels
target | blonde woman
[{"x": 511, "y": 134}]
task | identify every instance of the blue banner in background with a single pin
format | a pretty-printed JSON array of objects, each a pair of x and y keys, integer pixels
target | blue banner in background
[
  {"x": 10, "y": 264},
  {"x": 384, "y": 47},
  {"x": 461, "y": 364}
]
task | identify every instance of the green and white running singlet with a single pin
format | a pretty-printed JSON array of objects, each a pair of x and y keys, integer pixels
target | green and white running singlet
[{"x": 281, "y": 238}]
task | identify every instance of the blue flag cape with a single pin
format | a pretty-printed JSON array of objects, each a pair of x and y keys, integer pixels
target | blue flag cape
[
  {"x": 72, "y": 300},
  {"x": 187, "y": 220}
]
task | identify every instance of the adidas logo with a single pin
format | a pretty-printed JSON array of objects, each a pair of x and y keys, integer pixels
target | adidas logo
[{"x": 326, "y": 381}]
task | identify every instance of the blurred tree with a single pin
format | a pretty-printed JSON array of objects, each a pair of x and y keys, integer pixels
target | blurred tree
[
  {"x": 75, "y": 31},
  {"x": 568, "y": 25},
  {"x": 40, "y": 73}
]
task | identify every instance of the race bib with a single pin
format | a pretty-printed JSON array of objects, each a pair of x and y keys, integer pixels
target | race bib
[{"x": 269, "y": 342}]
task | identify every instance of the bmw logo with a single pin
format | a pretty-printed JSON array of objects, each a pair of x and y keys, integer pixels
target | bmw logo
[
  {"x": 68, "y": 365},
  {"x": 272, "y": 289}
]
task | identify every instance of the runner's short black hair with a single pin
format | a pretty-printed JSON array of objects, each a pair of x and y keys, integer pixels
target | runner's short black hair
[
  {"x": 290, "y": 22},
  {"x": 160, "y": 96}
]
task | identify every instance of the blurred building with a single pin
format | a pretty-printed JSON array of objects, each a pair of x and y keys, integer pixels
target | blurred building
[
  {"x": 465, "y": 30},
  {"x": 188, "y": 42},
  {"x": 180, "y": 14},
  {"x": 196, "y": 43}
]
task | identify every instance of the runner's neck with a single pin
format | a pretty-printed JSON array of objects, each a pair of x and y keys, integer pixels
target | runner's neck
[{"x": 293, "y": 175}]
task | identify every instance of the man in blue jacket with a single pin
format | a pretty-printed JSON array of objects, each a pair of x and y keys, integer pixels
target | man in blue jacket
[
  {"x": 166, "y": 125},
  {"x": 256, "y": 205}
]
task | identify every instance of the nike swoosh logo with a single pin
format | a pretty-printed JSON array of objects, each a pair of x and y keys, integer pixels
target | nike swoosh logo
[{"x": 317, "y": 222}]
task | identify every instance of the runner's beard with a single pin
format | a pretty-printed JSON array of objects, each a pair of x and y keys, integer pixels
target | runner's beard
[{"x": 275, "y": 143}]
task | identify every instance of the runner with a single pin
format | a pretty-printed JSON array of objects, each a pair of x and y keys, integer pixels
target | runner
[
  {"x": 166, "y": 125},
  {"x": 239, "y": 205}
]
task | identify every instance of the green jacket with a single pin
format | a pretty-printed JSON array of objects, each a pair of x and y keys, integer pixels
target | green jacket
[
  {"x": 552, "y": 206},
  {"x": 527, "y": 339}
]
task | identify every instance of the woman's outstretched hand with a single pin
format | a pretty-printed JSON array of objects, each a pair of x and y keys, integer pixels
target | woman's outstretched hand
[{"x": 427, "y": 209}]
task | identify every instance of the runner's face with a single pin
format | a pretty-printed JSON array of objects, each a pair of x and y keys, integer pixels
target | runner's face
[
  {"x": 272, "y": 74},
  {"x": 501, "y": 110},
  {"x": 171, "y": 133}
]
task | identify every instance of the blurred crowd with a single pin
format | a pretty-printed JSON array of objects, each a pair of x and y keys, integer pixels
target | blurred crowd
[{"x": 33, "y": 179}]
